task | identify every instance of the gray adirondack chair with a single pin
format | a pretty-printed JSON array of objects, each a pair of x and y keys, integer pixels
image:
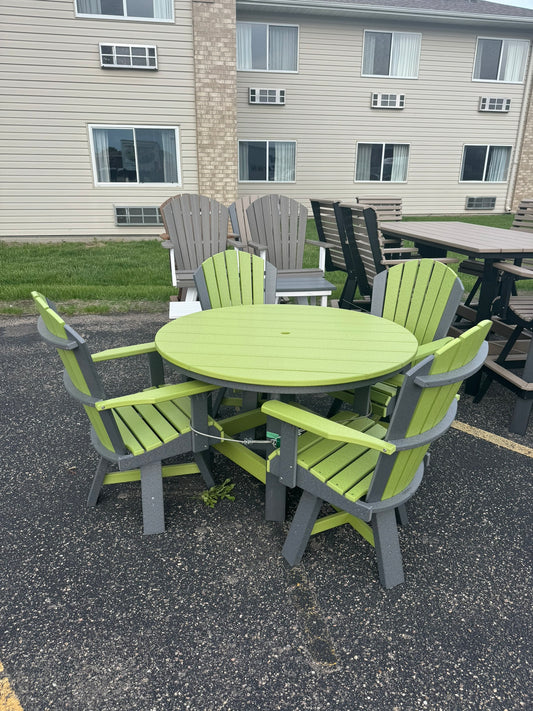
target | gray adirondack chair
[
  {"x": 365, "y": 470},
  {"x": 421, "y": 295},
  {"x": 133, "y": 433},
  {"x": 240, "y": 237},
  {"x": 280, "y": 223},
  {"x": 197, "y": 227}
]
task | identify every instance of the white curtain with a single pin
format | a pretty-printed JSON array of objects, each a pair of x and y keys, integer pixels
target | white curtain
[
  {"x": 498, "y": 164},
  {"x": 163, "y": 9},
  {"x": 170, "y": 168},
  {"x": 369, "y": 52},
  {"x": 404, "y": 54},
  {"x": 284, "y": 160},
  {"x": 244, "y": 167},
  {"x": 513, "y": 60},
  {"x": 364, "y": 153},
  {"x": 400, "y": 155},
  {"x": 101, "y": 154},
  {"x": 244, "y": 45},
  {"x": 89, "y": 7},
  {"x": 282, "y": 49}
]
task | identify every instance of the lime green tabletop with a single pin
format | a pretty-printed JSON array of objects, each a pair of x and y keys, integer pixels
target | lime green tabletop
[{"x": 285, "y": 348}]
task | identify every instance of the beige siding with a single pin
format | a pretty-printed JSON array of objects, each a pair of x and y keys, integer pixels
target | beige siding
[
  {"x": 328, "y": 111},
  {"x": 53, "y": 88}
]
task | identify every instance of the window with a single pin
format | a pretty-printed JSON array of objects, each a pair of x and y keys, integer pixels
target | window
[
  {"x": 500, "y": 60},
  {"x": 266, "y": 96},
  {"x": 388, "y": 101},
  {"x": 492, "y": 103},
  {"x": 385, "y": 162},
  {"x": 138, "y": 216},
  {"x": 268, "y": 48},
  {"x": 128, "y": 56},
  {"x": 480, "y": 203},
  {"x": 269, "y": 161},
  {"x": 391, "y": 54},
  {"x": 161, "y": 10},
  {"x": 127, "y": 154},
  {"x": 486, "y": 163}
]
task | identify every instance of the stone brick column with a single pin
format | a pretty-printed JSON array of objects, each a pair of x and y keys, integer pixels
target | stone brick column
[
  {"x": 214, "y": 33},
  {"x": 524, "y": 179}
]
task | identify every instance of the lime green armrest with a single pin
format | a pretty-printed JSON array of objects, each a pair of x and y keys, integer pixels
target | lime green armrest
[
  {"x": 427, "y": 349},
  {"x": 155, "y": 395},
  {"x": 123, "y": 352},
  {"x": 323, "y": 427}
]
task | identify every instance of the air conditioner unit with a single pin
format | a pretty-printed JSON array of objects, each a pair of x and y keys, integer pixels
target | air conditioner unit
[
  {"x": 492, "y": 103},
  {"x": 387, "y": 101},
  {"x": 480, "y": 203},
  {"x": 266, "y": 96}
]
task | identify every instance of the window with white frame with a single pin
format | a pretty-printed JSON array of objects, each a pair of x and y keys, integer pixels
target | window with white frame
[
  {"x": 391, "y": 54},
  {"x": 128, "y": 56},
  {"x": 267, "y": 161},
  {"x": 267, "y": 48},
  {"x": 500, "y": 60},
  {"x": 130, "y": 154},
  {"x": 160, "y": 10},
  {"x": 383, "y": 162},
  {"x": 489, "y": 164}
]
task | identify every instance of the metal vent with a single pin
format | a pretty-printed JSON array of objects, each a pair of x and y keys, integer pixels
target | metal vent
[
  {"x": 138, "y": 216},
  {"x": 493, "y": 103},
  {"x": 480, "y": 203},
  {"x": 387, "y": 101},
  {"x": 266, "y": 96}
]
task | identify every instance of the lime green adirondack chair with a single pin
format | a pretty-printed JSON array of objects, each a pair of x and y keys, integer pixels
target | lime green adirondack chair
[
  {"x": 366, "y": 470},
  {"x": 135, "y": 432},
  {"x": 422, "y": 295},
  {"x": 235, "y": 278}
]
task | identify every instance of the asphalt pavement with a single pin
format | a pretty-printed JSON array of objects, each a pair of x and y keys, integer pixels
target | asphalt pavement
[{"x": 207, "y": 616}]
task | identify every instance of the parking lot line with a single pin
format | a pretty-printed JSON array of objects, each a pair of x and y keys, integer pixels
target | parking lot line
[
  {"x": 495, "y": 439},
  {"x": 8, "y": 698}
]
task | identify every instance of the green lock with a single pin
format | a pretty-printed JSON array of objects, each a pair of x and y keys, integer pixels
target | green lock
[{"x": 274, "y": 438}]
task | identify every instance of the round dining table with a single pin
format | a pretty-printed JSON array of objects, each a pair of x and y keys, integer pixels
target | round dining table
[{"x": 285, "y": 348}]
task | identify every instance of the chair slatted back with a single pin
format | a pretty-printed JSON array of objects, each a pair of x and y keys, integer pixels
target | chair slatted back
[
  {"x": 387, "y": 209},
  {"x": 360, "y": 227},
  {"x": 197, "y": 228},
  {"x": 280, "y": 223},
  {"x": 421, "y": 295},
  {"x": 80, "y": 371},
  {"x": 327, "y": 230},
  {"x": 426, "y": 408},
  {"x": 523, "y": 219},
  {"x": 234, "y": 278},
  {"x": 239, "y": 219}
]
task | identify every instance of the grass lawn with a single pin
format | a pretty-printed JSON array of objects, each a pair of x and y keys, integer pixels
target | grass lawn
[{"x": 106, "y": 277}]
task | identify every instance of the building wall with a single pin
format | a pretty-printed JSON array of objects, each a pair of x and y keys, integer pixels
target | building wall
[
  {"x": 524, "y": 179},
  {"x": 53, "y": 87},
  {"x": 216, "y": 94},
  {"x": 328, "y": 111}
]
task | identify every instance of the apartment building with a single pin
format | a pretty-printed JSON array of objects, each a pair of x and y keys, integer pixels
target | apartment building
[{"x": 112, "y": 106}]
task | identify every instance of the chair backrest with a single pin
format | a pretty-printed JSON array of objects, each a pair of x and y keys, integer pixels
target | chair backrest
[
  {"x": 327, "y": 231},
  {"x": 239, "y": 219},
  {"x": 197, "y": 228},
  {"x": 279, "y": 223},
  {"x": 387, "y": 209},
  {"x": 234, "y": 278},
  {"x": 523, "y": 219},
  {"x": 421, "y": 295},
  {"x": 360, "y": 227},
  {"x": 426, "y": 408},
  {"x": 80, "y": 377}
]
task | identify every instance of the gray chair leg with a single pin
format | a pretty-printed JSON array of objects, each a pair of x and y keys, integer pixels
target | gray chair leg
[
  {"x": 388, "y": 554},
  {"x": 520, "y": 418},
  {"x": 275, "y": 498},
  {"x": 157, "y": 371},
  {"x": 335, "y": 407},
  {"x": 401, "y": 515},
  {"x": 96, "y": 486},
  {"x": 301, "y": 527},
  {"x": 203, "y": 461},
  {"x": 152, "y": 498}
]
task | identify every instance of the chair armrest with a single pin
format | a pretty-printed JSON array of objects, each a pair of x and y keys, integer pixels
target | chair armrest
[
  {"x": 123, "y": 352},
  {"x": 323, "y": 427},
  {"x": 259, "y": 247},
  {"x": 520, "y": 272},
  {"x": 319, "y": 243},
  {"x": 166, "y": 244},
  {"x": 234, "y": 241},
  {"x": 155, "y": 395},
  {"x": 400, "y": 250},
  {"x": 428, "y": 349}
]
